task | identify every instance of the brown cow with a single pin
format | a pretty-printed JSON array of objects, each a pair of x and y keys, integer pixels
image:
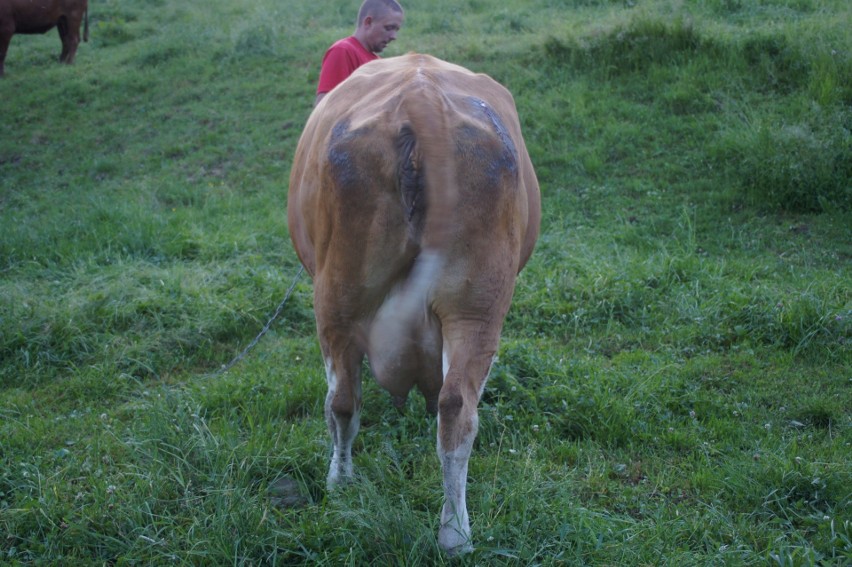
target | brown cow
[
  {"x": 39, "y": 16},
  {"x": 413, "y": 204}
]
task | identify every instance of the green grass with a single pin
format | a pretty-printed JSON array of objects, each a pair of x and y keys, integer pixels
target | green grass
[{"x": 673, "y": 386}]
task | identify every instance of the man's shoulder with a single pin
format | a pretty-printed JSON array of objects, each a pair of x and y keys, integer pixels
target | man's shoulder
[
  {"x": 350, "y": 50},
  {"x": 350, "y": 43}
]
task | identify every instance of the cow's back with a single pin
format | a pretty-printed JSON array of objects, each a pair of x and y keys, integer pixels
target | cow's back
[{"x": 39, "y": 17}]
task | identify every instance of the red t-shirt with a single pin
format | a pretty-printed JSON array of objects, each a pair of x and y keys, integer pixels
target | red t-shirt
[{"x": 341, "y": 59}]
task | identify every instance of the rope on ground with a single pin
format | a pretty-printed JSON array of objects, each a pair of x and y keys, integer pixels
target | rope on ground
[{"x": 251, "y": 345}]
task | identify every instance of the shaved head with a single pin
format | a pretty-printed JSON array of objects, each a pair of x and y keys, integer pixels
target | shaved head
[{"x": 377, "y": 8}]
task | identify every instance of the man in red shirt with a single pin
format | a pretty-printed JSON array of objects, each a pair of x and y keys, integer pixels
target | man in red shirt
[{"x": 378, "y": 23}]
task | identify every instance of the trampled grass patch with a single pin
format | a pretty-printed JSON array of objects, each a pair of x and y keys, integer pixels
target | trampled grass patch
[{"x": 673, "y": 386}]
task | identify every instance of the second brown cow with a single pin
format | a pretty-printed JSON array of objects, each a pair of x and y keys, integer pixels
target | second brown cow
[{"x": 40, "y": 16}]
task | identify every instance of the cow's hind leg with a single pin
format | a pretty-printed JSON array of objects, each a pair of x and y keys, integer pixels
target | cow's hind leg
[
  {"x": 466, "y": 367},
  {"x": 342, "y": 407},
  {"x": 62, "y": 28},
  {"x": 7, "y": 29},
  {"x": 69, "y": 33}
]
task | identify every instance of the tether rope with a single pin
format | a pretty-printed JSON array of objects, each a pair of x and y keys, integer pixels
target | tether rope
[{"x": 251, "y": 345}]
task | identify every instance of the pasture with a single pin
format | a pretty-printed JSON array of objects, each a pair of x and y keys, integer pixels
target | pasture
[{"x": 674, "y": 383}]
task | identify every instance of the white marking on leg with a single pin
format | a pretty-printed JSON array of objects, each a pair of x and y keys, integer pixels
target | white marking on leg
[
  {"x": 342, "y": 430},
  {"x": 341, "y": 468},
  {"x": 330, "y": 376},
  {"x": 454, "y": 534}
]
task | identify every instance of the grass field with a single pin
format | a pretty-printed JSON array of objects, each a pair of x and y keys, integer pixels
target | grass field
[{"x": 674, "y": 385}]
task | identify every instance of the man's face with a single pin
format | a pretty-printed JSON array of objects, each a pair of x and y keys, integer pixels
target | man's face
[{"x": 382, "y": 30}]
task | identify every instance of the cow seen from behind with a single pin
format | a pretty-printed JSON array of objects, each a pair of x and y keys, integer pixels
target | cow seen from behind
[{"x": 413, "y": 204}]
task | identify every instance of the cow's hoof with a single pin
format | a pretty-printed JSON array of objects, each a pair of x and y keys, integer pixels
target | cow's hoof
[
  {"x": 459, "y": 550},
  {"x": 339, "y": 481},
  {"x": 454, "y": 542},
  {"x": 340, "y": 473}
]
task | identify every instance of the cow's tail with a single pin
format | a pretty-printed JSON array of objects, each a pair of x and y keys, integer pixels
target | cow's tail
[
  {"x": 434, "y": 153},
  {"x": 429, "y": 116},
  {"x": 86, "y": 24},
  {"x": 429, "y": 190}
]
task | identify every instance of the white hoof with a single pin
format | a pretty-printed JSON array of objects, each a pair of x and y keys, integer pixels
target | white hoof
[
  {"x": 339, "y": 474},
  {"x": 453, "y": 541}
]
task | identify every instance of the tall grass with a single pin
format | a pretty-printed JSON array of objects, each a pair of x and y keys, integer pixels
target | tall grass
[{"x": 673, "y": 382}]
